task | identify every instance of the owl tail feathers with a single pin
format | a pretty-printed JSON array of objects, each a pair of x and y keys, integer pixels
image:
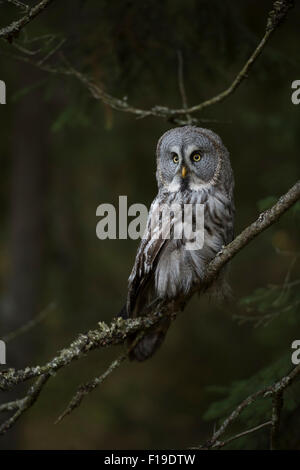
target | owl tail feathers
[{"x": 149, "y": 343}]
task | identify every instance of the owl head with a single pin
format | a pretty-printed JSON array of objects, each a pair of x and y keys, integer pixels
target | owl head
[{"x": 191, "y": 157}]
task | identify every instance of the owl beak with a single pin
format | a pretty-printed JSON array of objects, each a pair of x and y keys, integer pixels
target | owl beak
[{"x": 183, "y": 172}]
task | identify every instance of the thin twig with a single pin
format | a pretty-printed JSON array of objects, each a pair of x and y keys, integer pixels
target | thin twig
[
  {"x": 31, "y": 324},
  {"x": 88, "y": 387},
  {"x": 25, "y": 403},
  {"x": 275, "y": 17},
  {"x": 119, "y": 330},
  {"x": 52, "y": 52},
  {"x": 19, "y": 4},
  {"x": 220, "y": 444},
  {"x": 11, "y": 405},
  {"x": 277, "y": 389}
]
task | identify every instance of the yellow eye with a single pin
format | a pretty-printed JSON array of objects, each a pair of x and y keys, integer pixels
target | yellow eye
[
  {"x": 196, "y": 157},
  {"x": 175, "y": 159}
]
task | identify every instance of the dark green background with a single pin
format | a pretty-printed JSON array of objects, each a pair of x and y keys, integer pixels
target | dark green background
[{"x": 69, "y": 153}]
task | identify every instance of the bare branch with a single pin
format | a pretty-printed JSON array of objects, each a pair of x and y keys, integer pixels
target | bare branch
[
  {"x": 232, "y": 417},
  {"x": 88, "y": 387},
  {"x": 11, "y": 405},
  {"x": 179, "y": 116},
  {"x": 219, "y": 444},
  {"x": 114, "y": 334},
  {"x": 25, "y": 403},
  {"x": 275, "y": 18},
  {"x": 276, "y": 390},
  {"x": 52, "y": 51},
  {"x": 12, "y": 30},
  {"x": 119, "y": 330},
  {"x": 29, "y": 325},
  {"x": 19, "y": 4}
]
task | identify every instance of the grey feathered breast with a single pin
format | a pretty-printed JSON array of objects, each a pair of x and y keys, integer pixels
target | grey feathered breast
[{"x": 164, "y": 267}]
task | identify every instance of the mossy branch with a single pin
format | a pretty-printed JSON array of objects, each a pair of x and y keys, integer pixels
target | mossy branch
[{"x": 119, "y": 330}]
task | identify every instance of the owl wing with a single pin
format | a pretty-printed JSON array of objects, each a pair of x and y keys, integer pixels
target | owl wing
[{"x": 146, "y": 259}]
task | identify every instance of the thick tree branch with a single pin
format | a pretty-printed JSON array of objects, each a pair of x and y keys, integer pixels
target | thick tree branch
[{"x": 119, "y": 329}]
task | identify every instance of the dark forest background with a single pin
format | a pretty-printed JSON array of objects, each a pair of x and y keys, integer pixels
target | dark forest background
[{"x": 64, "y": 153}]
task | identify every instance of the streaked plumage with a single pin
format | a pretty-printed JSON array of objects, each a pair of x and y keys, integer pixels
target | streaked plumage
[{"x": 164, "y": 267}]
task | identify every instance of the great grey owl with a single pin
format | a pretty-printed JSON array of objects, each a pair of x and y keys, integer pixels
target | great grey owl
[{"x": 193, "y": 167}]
